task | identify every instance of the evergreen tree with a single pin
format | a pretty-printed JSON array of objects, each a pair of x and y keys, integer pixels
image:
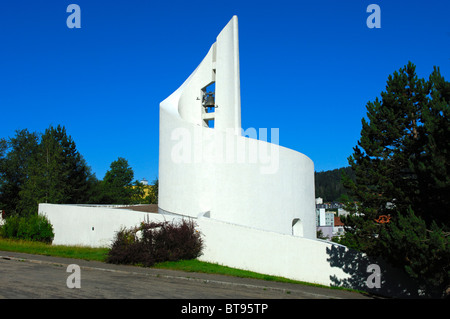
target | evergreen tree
[
  {"x": 432, "y": 166},
  {"x": 401, "y": 165}
]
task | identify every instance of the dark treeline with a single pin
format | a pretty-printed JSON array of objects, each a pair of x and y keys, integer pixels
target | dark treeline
[{"x": 329, "y": 185}]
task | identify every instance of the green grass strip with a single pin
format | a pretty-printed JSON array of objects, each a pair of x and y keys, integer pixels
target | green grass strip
[
  {"x": 195, "y": 265},
  {"x": 38, "y": 248}
]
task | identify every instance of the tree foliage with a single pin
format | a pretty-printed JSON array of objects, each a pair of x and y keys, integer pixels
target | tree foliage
[
  {"x": 15, "y": 161},
  {"x": 401, "y": 166},
  {"x": 47, "y": 168},
  {"x": 58, "y": 174},
  {"x": 43, "y": 168},
  {"x": 117, "y": 185},
  {"x": 328, "y": 184},
  {"x": 146, "y": 194}
]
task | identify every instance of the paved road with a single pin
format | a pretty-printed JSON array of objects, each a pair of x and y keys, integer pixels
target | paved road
[{"x": 27, "y": 276}]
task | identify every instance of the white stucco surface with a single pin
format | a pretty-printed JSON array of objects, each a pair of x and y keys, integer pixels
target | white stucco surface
[
  {"x": 266, "y": 252},
  {"x": 93, "y": 226},
  {"x": 246, "y": 181}
]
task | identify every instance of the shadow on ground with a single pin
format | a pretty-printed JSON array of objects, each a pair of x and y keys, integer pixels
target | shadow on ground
[{"x": 370, "y": 275}]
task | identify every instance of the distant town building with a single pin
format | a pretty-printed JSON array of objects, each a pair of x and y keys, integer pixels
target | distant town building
[
  {"x": 332, "y": 205},
  {"x": 324, "y": 218},
  {"x": 338, "y": 228},
  {"x": 325, "y": 222},
  {"x": 342, "y": 212},
  {"x": 329, "y": 222}
]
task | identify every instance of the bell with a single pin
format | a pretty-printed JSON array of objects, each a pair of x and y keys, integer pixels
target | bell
[{"x": 209, "y": 100}]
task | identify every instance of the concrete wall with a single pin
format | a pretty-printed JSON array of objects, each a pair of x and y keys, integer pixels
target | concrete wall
[
  {"x": 297, "y": 258},
  {"x": 89, "y": 225},
  {"x": 267, "y": 252}
]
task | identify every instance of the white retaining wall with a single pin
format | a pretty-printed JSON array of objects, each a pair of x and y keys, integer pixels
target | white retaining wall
[
  {"x": 90, "y": 226},
  {"x": 266, "y": 252}
]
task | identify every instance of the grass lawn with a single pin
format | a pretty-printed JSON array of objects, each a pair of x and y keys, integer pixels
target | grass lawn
[
  {"x": 195, "y": 265},
  {"x": 38, "y": 248}
]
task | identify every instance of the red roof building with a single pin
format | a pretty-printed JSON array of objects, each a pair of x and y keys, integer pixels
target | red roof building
[{"x": 337, "y": 221}]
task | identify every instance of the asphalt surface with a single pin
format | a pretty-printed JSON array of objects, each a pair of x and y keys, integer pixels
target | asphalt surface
[{"x": 25, "y": 276}]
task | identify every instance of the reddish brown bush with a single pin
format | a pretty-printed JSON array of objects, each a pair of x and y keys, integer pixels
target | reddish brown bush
[{"x": 156, "y": 242}]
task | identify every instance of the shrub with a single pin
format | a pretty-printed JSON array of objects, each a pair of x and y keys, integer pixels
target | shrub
[
  {"x": 33, "y": 227},
  {"x": 156, "y": 242},
  {"x": 10, "y": 227},
  {"x": 128, "y": 249}
]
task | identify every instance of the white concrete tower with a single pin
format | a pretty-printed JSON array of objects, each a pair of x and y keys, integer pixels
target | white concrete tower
[{"x": 214, "y": 171}]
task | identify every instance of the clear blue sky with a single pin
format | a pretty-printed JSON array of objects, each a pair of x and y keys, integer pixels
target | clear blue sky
[{"x": 307, "y": 68}]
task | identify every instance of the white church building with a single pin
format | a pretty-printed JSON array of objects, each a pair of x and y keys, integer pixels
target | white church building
[{"x": 252, "y": 200}]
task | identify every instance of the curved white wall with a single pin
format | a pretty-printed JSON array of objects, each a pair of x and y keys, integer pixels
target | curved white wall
[{"x": 236, "y": 179}]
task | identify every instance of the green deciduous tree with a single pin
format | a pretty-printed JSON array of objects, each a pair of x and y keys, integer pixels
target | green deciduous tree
[
  {"x": 117, "y": 185},
  {"x": 58, "y": 173},
  {"x": 15, "y": 158},
  {"x": 153, "y": 196},
  {"x": 401, "y": 165}
]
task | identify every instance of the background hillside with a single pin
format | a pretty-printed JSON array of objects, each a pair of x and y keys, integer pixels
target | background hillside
[{"x": 329, "y": 185}]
